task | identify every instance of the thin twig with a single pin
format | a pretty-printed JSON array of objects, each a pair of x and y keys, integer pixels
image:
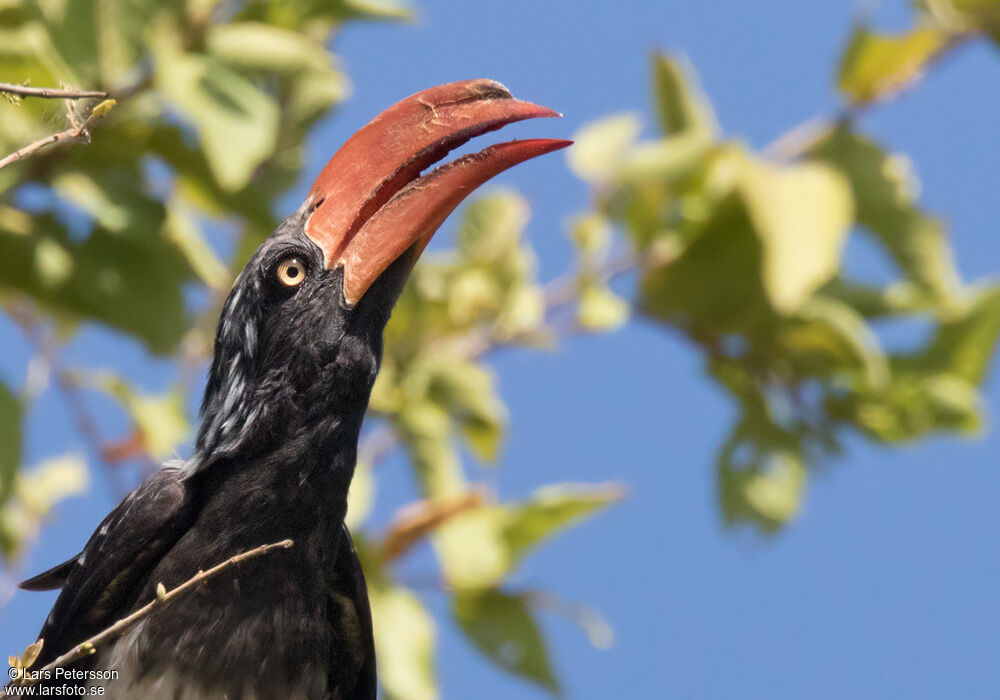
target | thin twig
[
  {"x": 162, "y": 598},
  {"x": 796, "y": 142},
  {"x": 52, "y": 93},
  {"x": 74, "y": 133}
]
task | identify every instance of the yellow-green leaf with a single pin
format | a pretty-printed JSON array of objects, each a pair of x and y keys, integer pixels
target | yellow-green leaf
[
  {"x": 876, "y": 65},
  {"x": 552, "y": 509},
  {"x": 237, "y": 122},
  {"x": 964, "y": 345},
  {"x": 802, "y": 215},
  {"x": 776, "y": 494},
  {"x": 492, "y": 226},
  {"x": 884, "y": 189},
  {"x": 680, "y": 100},
  {"x": 472, "y": 548},
  {"x": 103, "y": 109},
  {"x": 181, "y": 229},
  {"x": 591, "y": 234},
  {"x": 600, "y": 148},
  {"x": 601, "y": 310},
  {"x": 260, "y": 46},
  {"x": 404, "y": 644}
]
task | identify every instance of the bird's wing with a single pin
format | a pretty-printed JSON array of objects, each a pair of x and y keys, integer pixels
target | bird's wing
[
  {"x": 101, "y": 583},
  {"x": 351, "y": 678}
]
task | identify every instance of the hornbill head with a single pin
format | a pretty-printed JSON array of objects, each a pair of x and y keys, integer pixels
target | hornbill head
[{"x": 299, "y": 341}]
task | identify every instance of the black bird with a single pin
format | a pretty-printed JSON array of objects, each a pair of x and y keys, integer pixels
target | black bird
[{"x": 296, "y": 353}]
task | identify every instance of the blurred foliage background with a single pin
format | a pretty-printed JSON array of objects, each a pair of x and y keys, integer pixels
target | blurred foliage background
[{"x": 153, "y": 193}]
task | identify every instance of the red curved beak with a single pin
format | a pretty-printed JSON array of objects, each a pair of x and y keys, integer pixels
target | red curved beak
[{"x": 370, "y": 205}]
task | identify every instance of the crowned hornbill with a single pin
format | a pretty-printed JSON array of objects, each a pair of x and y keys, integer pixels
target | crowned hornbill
[{"x": 296, "y": 352}]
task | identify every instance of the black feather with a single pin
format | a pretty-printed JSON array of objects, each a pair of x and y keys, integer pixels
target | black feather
[{"x": 51, "y": 579}]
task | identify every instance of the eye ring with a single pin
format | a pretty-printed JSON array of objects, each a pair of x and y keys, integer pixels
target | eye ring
[{"x": 291, "y": 271}]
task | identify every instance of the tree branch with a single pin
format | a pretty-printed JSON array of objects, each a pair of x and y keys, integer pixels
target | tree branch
[
  {"x": 77, "y": 132},
  {"x": 52, "y": 93},
  {"x": 162, "y": 598}
]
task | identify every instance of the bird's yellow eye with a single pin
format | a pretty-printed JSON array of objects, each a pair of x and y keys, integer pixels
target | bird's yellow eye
[{"x": 291, "y": 272}]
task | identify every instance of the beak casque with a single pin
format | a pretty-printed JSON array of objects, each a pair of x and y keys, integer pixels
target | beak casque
[{"x": 370, "y": 205}]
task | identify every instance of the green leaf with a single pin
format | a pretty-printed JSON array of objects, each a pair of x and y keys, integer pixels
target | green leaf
[
  {"x": 914, "y": 406},
  {"x": 264, "y": 47},
  {"x": 715, "y": 286},
  {"x": 553, "y": 509},
  {"x": 591, "y": 235},
  {"x": 523, "y": 312},
  {"x": 472, "y": 549},
  {"x": 502, "y": 627},
  {"x": 102, "y": 110},
  {"x": 964, "y": 346},
  {"x": 491, "y": 226},
  {"x": 600, "y": 148},
  {"x": 831, "y": 340},
  {"x": 120, "y": 28},
  {"x": 680, "y": 101},
  {"x": 475, "y": 293},
  {"x": 128, "y": 282},
  {"x": 802, "y": 214},
  {"x": 113, "y": 198},
  {"x": 884, "y": 190},
  {"x": 479, "y": 548},
  {"x": 10, "y": 440},
  {"x": 181, "y": 229},
  {"x": 875, "y": 65},
  {"x": 237, "y": 122},
  {"x": 314, "y": 92},
  {"x": 666, "y": 160},
  {"x": 404, "y": 644},
  {"x": 426, "y": 429},
  {"x": 599, "y": 309},
  {"x": 374, "y": 9},
  {"x": 70, "y": 27},
  {"x": 956, "y": 404},
  {"x": 770, "y": 496}
]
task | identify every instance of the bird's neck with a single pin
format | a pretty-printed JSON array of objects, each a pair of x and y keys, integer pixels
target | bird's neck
[
  {"x": 295, "y": 484},
  {"x": 289, "y": 422}
]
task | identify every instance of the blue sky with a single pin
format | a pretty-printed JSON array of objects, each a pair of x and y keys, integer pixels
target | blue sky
[{"x": 886, "y": 586}]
